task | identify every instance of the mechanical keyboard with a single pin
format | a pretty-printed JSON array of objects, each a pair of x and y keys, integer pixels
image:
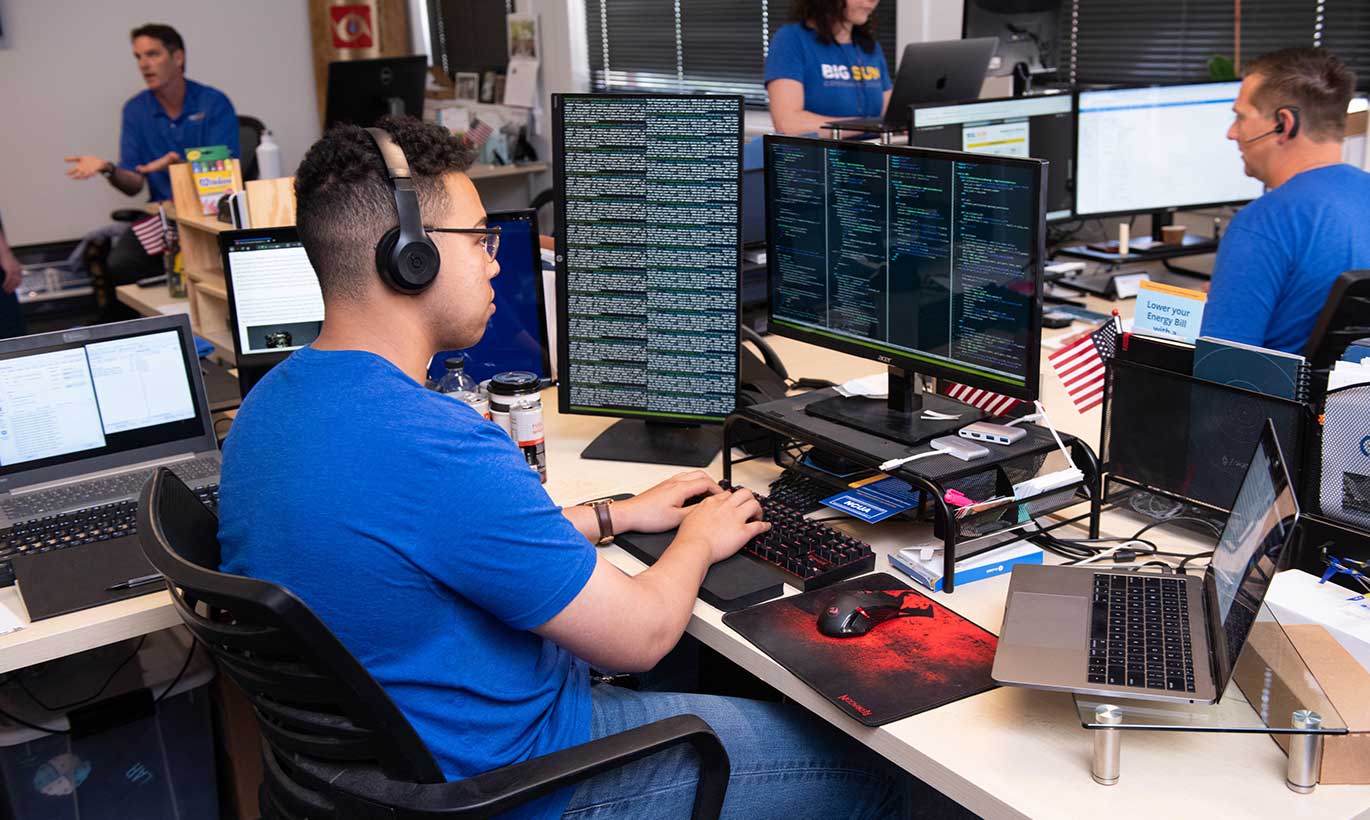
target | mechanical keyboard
[
  {"x": 805, "y": 554},
  {"x": 54, "y": 532},
  {"x": 800, "y": 492}
]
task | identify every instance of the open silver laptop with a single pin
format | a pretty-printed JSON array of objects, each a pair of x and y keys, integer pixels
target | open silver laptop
[
  {"x": 85, "y": 416},
  {"x": 940, "y": 71},
  {"x": 1148, "y": 636}
]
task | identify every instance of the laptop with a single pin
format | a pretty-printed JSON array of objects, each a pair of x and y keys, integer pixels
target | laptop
[
  {"x": 275, "y": 306},
  {"x": 941, "y": 71},
  {"x": 1146, "y": 636},
  {"x": 85, "y": 416}
]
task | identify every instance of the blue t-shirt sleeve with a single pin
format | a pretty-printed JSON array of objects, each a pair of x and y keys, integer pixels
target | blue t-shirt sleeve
[
  {"x": 786, "y": 59},
  {"x": 530, "y": 561},
  {"x": 130, "y": 150},
  {"x": 223, "y": 125},
  {"x": 1247, "y": 280}
]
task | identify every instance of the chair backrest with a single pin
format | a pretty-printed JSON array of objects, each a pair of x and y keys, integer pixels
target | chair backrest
[
  {"x": 250, "y": 130},
  {"x": 1345, "y": 317},
  {"x": 312, "y": 698}
]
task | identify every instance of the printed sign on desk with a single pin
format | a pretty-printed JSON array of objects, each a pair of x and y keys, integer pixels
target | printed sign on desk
[{"x": 1166, "y": 311}]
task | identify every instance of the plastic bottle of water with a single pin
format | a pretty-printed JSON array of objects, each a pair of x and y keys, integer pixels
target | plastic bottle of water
[
  {"x": 268, "y": 157},
  {"x": 458, "y": 384}
]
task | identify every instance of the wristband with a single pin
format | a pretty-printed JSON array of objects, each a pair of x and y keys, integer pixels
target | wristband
[
  {"x": 606, "y": 522},
  {"x": 108, "y": 169}
]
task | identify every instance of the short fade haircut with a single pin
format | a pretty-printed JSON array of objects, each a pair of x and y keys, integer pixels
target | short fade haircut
[
  {"x": 1314, "y": 80},
  {"x": 169, "y": 36},
  {"x": 344, "y": 202}
]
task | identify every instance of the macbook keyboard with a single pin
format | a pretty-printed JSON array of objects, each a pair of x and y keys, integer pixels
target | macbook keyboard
[{"x": 1139, "y": 633}]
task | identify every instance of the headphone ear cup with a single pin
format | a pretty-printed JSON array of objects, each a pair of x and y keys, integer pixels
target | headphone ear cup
[
  {"x": 417, "y": 265},
  {"x": 385, "y": 257}
]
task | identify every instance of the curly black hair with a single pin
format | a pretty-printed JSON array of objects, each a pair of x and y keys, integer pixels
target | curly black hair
[
  {"x": 344, "y": 203},
  {"x": 823, "y": 16}
]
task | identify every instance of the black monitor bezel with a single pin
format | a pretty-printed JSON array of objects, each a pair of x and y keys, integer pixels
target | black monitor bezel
[
  {"x": 261, "y": 362},
  {"x": 357, "y": 67},
  {"x": 1182, "y": 206},
  {"x": 1074, "y": 128},
  {"x": 563, "y": 297},
  {"x": 1030, "y": 389}
]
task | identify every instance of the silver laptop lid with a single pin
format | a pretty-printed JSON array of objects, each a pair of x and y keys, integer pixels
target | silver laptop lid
[
  {"x": 1249, "y": 553},
  {"x": 97, "y": 398}
]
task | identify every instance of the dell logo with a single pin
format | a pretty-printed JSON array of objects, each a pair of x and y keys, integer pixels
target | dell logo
[
  {"x": 76, "y": 335},
  {"x": 941, "y": 82},
  {"x": 386, "y": 76}
]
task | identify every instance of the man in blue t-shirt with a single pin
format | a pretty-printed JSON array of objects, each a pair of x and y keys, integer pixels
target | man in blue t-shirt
[
  {"x": 1281, "y": 253},
  {"x": 159, "y": 124},
  {"x": 826, "y": 66},
  {"x": 417, "y": 532}
]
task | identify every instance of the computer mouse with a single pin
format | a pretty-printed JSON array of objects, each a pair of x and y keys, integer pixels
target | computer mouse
[{"x": 853, "y": 613}]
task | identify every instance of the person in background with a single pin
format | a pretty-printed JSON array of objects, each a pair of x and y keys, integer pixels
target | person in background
[
  {"x": 1280, "y": 254},
  {"x": 159, "y": 124},
  {"x": 11, "y": 274},
  {"x": 826, "y": 66}
]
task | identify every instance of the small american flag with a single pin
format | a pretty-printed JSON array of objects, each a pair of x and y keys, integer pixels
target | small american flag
[
  {"x": 151, "y": 233},
  {"x": 478, "y": 133},
  {"x": 1080, "y": 364},
  {"x": 993, "y": 403}
]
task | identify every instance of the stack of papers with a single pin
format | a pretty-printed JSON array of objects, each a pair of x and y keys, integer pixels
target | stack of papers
[{"x": 875, "y": 386}]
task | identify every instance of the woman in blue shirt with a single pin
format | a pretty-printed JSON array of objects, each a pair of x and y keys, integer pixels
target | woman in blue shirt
[{"x": 826, "y": 66}]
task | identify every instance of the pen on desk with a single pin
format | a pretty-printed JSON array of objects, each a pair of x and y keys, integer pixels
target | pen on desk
[{"x": 141, "y": 580}]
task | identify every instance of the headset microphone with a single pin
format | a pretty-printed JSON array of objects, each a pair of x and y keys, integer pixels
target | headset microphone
[{"x": 1279, "y": 125}]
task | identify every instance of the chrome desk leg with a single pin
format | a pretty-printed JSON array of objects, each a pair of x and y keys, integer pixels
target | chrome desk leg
[
  {"x": 835, "y": 133},
  {"x": 886, "y": 137},
  {"x": 1305, "y": 753},
  {"x": 1108, "y": 745}
]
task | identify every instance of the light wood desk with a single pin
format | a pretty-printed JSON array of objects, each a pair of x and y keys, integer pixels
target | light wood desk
[{"x": 1005, "y": 753}]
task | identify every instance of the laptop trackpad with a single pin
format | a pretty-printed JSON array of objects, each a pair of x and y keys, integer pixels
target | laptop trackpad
[{"x": 1047, "y": 621}]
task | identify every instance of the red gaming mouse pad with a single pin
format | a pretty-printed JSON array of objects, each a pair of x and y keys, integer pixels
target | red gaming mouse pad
[{"x": 921, "y": 658}]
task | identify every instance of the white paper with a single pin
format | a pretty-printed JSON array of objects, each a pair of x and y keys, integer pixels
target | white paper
[
  {"x": 521, "y": 83},
  {"x": 9, "y": 620},
  {"x": 1296, "y": 597},
  {"x": 523, "y": 36},
  {"x": 456, "y": 119},
  {"x": 874, "y": 386}
]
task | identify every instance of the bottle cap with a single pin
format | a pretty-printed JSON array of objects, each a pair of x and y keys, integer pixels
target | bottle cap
[
  {"x": 514, "y": 383},
  {"x": 455, "y": 362}
]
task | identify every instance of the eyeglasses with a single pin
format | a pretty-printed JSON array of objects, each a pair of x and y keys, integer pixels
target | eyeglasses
[{"x": 489, "y": 238}]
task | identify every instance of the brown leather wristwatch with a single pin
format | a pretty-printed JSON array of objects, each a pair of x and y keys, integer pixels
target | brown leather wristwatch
[{"x": 606, "y": 522}]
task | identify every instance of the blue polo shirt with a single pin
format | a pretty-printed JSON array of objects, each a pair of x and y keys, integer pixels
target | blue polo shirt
[
  {"x": 415, "y": 530},
  {"x": 147, "y": 133},
  {"x": 840, "y": 80},
  {"x": 1280, "y": 255}
]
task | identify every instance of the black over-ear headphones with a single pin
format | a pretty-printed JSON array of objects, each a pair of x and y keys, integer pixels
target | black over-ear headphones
[
  {"x": 1279, "y": 124},
  {"x": 406, "y": 257}
]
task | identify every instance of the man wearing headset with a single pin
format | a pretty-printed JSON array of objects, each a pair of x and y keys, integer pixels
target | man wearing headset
[
  {"x": 1281, "y": 253},
  {"x": 416, "y": 531}
]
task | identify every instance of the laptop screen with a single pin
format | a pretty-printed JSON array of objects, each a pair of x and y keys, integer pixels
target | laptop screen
[
  {"x": 277, "y": 304},
  {"x": 90, "y": 393},
  {"x": 1248, "y": 552},
  {"x": 516, "y": 336}
]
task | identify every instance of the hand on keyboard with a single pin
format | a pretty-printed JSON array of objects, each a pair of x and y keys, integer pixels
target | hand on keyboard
[
  {"x": 664, "y": 506},
  {"x": 725, "y": 522}
]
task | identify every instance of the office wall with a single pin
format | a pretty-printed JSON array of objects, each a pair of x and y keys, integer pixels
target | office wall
[{"x": 66, "y": 68}]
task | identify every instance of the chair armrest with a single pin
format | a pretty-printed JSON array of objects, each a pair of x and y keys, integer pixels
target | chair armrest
[{"x": 369, "y": 794}]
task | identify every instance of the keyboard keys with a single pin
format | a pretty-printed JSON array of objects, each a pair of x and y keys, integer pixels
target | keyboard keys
[{"x": 1139, "y": 633}]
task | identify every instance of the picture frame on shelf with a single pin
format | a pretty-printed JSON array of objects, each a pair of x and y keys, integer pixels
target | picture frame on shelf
[
  {"x": 487, "y": 85},
  {"x": 468, "y": 85}
]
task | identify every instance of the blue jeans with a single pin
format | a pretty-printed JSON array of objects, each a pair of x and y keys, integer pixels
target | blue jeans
[{"x": 785, "y": 764}]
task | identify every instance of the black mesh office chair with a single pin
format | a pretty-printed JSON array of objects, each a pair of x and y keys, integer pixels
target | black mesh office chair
[
  {"x": 1345, "y": 317},
  {"x": 250, "y": 130},
  {"x": 334, "y": 744}
]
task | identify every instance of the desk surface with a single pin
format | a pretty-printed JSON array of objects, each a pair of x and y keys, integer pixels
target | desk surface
[{"x": 1006, "y": 753}]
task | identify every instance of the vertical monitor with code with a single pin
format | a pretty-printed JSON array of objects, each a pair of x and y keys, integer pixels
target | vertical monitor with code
[
  {"x": 927, "y": 260},
  {"x": 648, "y": 254}
]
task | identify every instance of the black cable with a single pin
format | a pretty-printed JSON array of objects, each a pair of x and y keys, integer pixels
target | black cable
[
  {"x": 1204, "y": 521},
  {"x": 177, "y": 679},
  {"x": 65, "y": 706},
  {"x": 1196, "y": 556},
  {"x": 44, "y": 729}
]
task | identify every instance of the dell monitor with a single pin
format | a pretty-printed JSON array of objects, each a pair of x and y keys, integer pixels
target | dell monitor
[
  {"x": 648, "y": 255},
  {"x": 1041, "y": 127},
  {"x": 1159, "y": 149},
  {"x": 1027, "y": 31},
  {"x": 362, "y": 91},
  {"x": 274, "y": 303},
  {"x": 516, "y": 335},
  {"x": 927, "y": 260}
]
